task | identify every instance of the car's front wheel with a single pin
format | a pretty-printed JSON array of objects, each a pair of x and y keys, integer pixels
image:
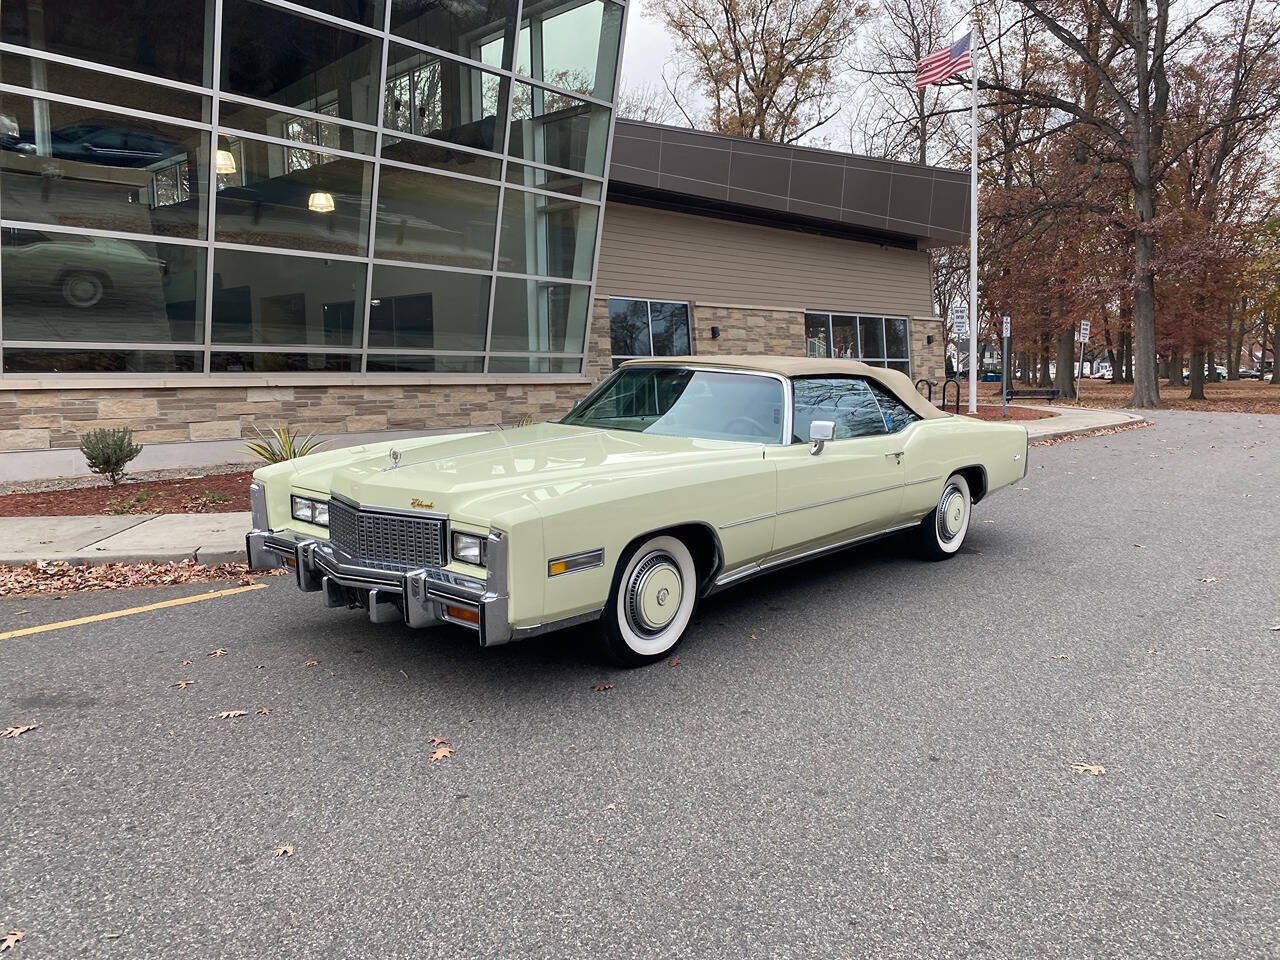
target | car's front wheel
[
  {"x": 654, "y": 592},
  {"x": 83, "y": 289},
  {"x": 942, "y": 532}
]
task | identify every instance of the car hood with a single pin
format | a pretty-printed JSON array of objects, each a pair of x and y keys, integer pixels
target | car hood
[{"x": 481, "y": 476}]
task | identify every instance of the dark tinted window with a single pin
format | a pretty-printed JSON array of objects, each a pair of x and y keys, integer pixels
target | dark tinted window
[
  {"x": 847, "y": 401},
  {"x": 897, "y": 414}
]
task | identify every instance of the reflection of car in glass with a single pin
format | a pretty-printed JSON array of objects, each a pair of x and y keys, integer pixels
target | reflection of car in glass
[
  {"x": 102, "y": 144},
  {"x": 81, "y": 270},
  {"x": 674, "y": 478}
]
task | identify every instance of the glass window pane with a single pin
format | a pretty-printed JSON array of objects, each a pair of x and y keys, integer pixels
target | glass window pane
[
  {"x": 309, "y": 131},
  {"x": 847, "y": 401},
  {"x": 443, "y": 99},
  {"x": 68, "y": 286},
  {"x": 895, "y": 330},
  {"x": 540, "y": 316},
  {"x": 844, "y": 338},
  {"x": 367, "y": 13},
  {"x": 285, "y": 363},
  {"x": 525, "y": 176},
  {"x": 815, "y": 335},
  {"x": 170, "y": 41},
  {"x": 104, "y": 86},
  {"x": 898, "y": 413},
  {"x": 578, "y": 50},
  {"x": 274, "y": 55},
  {"x": 101, "y": 361},
  {"x": 266, "y": 298},
  {"x": 535, "y": 364},
  {"x": 479, "y": 29},
  {"x": 428, "y": 309},
  {"x": 902, "y": 366},
  {"x": 430, "y": 219},
  {"x": 440, "y": 157},
  {"x": 296, "y": 198},
  {"x": 558, "y": 130},
  {"x": 423, "y": 363},
  {"x": 84, "y": 167},
  {"x": 629, "y": 328},
  {"x": 547, "y": 236},
  {"x": 670, "y": 325},
  {"x": 872, "y": 329}
]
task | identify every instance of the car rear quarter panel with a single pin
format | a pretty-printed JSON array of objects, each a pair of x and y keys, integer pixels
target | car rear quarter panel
[{"x": 935, "y": 449}]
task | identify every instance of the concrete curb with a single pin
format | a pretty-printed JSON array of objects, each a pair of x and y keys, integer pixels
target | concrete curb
[{"x": 1072, "y": 421}]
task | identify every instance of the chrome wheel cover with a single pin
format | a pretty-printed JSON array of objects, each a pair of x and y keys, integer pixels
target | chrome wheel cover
[
  {"x": 654, "y": 593},
  {"x": 953, "y": 509}
]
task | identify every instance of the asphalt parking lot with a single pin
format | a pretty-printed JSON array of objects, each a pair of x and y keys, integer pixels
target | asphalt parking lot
[{"x": 863, "y": 757}]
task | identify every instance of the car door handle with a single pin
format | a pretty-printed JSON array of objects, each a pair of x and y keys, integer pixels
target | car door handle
[{"x": 897, "y": 456}]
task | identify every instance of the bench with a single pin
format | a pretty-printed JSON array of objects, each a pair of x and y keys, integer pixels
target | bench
[{"x": 1032, "y": 393}]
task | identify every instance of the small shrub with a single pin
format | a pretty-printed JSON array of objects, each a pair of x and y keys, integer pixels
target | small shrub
[
  {"x": 282, "y": 444},
  {"x": 109, "y": 451}
]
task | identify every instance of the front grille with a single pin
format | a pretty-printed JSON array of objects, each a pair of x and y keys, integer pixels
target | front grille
[{"x": 386, "y": 541}]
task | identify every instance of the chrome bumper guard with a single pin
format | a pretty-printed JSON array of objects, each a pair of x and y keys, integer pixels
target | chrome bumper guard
[{"x": 418, "y": 598}]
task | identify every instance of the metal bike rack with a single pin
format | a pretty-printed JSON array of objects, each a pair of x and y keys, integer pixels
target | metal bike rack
[
  {"x": 928, "y": 394},
  {"x": 946, "y": 383}
]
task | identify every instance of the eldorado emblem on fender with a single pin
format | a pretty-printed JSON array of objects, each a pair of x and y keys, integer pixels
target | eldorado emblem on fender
[{"x": 421, "y": 504}]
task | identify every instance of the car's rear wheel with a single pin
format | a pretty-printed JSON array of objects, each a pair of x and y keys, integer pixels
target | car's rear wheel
[
  {"x": 942, "y": 532},
  {"x": 83, "y": 289},
  {"x": 654, "y": 592}
]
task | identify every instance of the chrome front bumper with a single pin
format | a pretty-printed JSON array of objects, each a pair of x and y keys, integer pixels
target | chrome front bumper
[{"x": 418, "y": 598}]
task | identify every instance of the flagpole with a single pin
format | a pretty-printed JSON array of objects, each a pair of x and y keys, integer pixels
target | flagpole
[{"x": 973, "y": 233}]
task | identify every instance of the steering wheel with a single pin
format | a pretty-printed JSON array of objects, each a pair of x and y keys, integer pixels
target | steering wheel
[{"x": 756, "y": 428}]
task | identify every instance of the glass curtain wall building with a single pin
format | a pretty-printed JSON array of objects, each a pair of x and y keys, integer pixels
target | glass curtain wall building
[{"x": 261, "y": 186}]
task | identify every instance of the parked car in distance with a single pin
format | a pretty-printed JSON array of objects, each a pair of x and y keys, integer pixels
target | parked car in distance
[
  {"x": 674, "y": 478},
  {"x": 1248, "y": 373}
]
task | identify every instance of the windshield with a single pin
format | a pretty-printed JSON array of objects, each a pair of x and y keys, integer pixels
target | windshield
[{"x": 686, "y": 403}]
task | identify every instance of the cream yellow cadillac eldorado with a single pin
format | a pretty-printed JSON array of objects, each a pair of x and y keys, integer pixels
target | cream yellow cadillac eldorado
[{"x": 674, "y": 478}]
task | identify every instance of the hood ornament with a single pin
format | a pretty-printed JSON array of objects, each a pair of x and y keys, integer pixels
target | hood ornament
[{"x": 394, "y": 455}]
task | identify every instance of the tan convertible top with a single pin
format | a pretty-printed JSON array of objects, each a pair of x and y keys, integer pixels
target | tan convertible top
[{"x": 899, "y": 383}]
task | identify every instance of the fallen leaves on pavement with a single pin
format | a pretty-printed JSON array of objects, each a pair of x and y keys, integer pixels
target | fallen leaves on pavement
[
  {"x": 1093, "y": 769},
  {"x": 1275, "y": 628},
  {"x": 46, "y": 577},
  {"x": 264, "y": 711},
  {"x": 438, "y": 741},
  {"x": 1062, "y": 656},
  {"x": 186, "y": 663},
  {"x": 183, "y": 684},
  {"x": 284, "y": 850},
  {"x": 601, "y": 687},
  {"x": 220, "y": 652},
  {"x": 1208, "y": 579},
  {"x": 231, "y": 714},
  {"x": 12, "y": 733},
  {"x": 312, "y": 663},
  {"x": 673, "y": 662},
  {"x": 11, "y": 940},
  {"x": 1099, "y": 432},
  {"x": 441, "y": 753}
]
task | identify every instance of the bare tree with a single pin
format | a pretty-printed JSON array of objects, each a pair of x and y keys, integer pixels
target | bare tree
[
  {"x": 648, "y": 102},
  {"x": 770, "y": 69}
]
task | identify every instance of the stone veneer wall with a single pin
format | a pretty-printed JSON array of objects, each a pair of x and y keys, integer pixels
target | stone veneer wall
[
  {"x": 50, "y": 419},
  {"x": 772, "y": 331},
  {"x": 928, "y": 360}
]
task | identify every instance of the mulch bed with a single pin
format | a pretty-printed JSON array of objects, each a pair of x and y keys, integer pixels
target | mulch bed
[
  {"x": 217, "y": 493},
  {"x": 992, "y": 412},
  {"x": 56, "y": 577},
  {"x": 1238, "y": 396}
]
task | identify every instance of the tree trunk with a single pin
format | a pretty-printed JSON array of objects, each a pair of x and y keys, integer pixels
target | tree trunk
[
  {"x": 1175, "y": 371},
  {"x": 1162, "y": 368},
  {"x": 1146, "y": 389},
  {"x": 1211, "y": 362},
  {"x": 1234, "y": 345},
  {"x": 1197, "y": 373},
  {"x": 1024, "y": 368},
  {"x": 1128, "y": 357},
  {"x": 1045, "y": 379},
  {"x": 1065, "y": 379}
]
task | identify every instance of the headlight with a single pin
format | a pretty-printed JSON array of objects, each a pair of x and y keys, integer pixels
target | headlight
[
  {"x": 469, "y": 548},
  {"x": 310, "y": 511}
]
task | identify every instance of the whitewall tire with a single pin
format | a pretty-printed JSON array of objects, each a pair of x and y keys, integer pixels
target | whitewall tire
[
  {"x": 943, "y": 531},
  {"x": 654, "y": 592}
]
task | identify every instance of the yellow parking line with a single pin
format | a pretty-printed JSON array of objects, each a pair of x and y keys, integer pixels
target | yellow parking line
[{"x": 44, "y": 628}]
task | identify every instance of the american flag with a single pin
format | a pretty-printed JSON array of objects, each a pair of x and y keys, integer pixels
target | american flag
[{"x": 944, "y": 63}]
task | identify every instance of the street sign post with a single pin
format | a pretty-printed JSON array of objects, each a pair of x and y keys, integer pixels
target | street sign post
[
  {"x": 959, "y": 329},
  {"x": 1084, "y": 338},
  {"x": 1004, "y": 362}
]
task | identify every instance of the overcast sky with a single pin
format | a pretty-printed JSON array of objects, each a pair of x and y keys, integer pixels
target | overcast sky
[{"x": 647, "y": 48}]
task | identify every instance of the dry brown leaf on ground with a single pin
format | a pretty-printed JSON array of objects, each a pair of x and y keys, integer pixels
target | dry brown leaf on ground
[
  {"x": 12, "y": 733},
  {"x": 186, "y": 663},
  {"x": 284, "y": 850},
  {"x": 1099, "y": 432},
  {"x": 438, "y": 742},
  {"x": 441, "y": 753},
  {"x": 231, "y": 714},
  {"x": 183, "y": 684},
  {"x": 11, "y": 940},
  {"x": 601, "y": 687},
  {"x": 220, "y": 652},
  {"x": 673, "y": 662},
  {"x": 58, "y": 577},
  {"x": 1275, "y": 628},
  {"x": 1208, "y": 579},
  {"x": 312, "y": 663},
  {"x": 1093, "y": 769},
  {"x": 1062, "y": 656},
  {"x": 611, "y": 806},
  {"x": 264, "y": 711}
]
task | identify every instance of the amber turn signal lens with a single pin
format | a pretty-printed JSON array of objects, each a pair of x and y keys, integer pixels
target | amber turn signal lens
[
  {"x": 465, "y": 614},
  {"x": 557, "y": 567}
]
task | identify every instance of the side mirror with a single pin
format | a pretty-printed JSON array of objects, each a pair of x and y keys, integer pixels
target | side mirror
[{"x": 820, "y": 431}]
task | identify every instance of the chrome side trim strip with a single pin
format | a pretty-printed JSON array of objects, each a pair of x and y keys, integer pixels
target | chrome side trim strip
[
  {"x": 912, "y": 483},
  {"x": 852, "y": 496},
  {"x": 537, "y": 629},
  {"x": 584, "y": 560},
  {"x": 738, "y": 523},
  {"x": 746, "y": 573}
]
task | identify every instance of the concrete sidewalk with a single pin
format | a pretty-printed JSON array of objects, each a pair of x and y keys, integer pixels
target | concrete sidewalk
[
  {"x": 219, "y": 537},
  {"x": 204, "y": 537}
]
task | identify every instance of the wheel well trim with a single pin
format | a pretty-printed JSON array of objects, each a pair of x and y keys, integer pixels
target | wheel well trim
[
  {"x": 981, "y": 471},
  {"x": 707, "y": 578}
]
